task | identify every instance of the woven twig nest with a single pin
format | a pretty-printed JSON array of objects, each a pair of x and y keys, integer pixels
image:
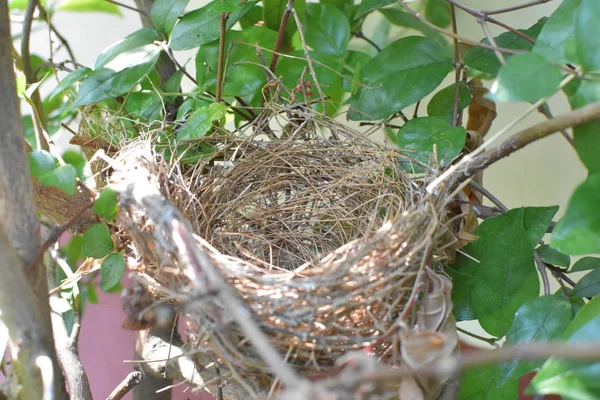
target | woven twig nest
[{"x": 324, "y": 238}]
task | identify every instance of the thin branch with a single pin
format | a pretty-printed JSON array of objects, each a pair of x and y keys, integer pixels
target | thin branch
[
  {"x": 144, "y": 13},
  {"x": 529, "y": 351},
  {"x": 309, "y": 61},
  {"x": 457, "y": 69},
  {"x": 490, "y": 341},
  {"x": 541, "y": 267},
  {"x": 452, "y": 35},
  {"x": 545, "y": 111},
  {"x": 519, "y": 7},
  {"x": 131, "y": 381},
  {"x": 359, "y": 34},
  {"x": 280, "y": 34},
  {"x": 221, "y": 59},
  {"x": 44, "y": 15}
]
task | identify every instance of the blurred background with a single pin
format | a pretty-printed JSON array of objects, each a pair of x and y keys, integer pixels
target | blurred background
[{"x": 542, "y": 174}]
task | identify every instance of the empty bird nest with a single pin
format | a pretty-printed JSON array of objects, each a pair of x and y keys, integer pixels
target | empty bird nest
[{"x": 289, "y": 247}]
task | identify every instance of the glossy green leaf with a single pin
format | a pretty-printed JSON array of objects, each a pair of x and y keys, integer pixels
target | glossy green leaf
[
  {"x": 202, "y": 26},
  {"x": 484, "y": 383},
  {"x": 505, "y": 277},
  {"x": 164, "y": 13},
  {"x": 438, "y": 12},
  {"x": 137, "y": 39},
  {"x": 578, "y": 231},
  {"x": 252, "y": 17},
  {"x": 462, "y": 285},
  {"x": 553, "y": 256},
  {"x": 587, "y": 35},
  {"x": 111, "y": 271},
  {"x": 575, "y": 380},
  {"x": 402, "y": 18},
  {"x": 485, "y": 60},
  {"x": 89, "y": 6},
  {"x": 71, "y": 79},
  {"x": 558, "y": 30},
  {"x": 366, "y": 6},
  {"x": 97, "y": 242},
  {"x": 63, "y": 177},
  {"x": 190, "y": 105},
  {"x": 106, "y": 205},
  {"x": 326, "y": 29},
  {"x": 415, "y": 66},
  {"x": 106, "y": 83},
  {"x": 41, "y": 162},
  {"x": 441, "y": 104},
  {"x": 200, "y": 122},
  {"x": 345, "y": 6},
  {"x": 421, "y": 138},
  {"x": 542, "y": 319},
  {"x": 145, "y": 106},
  {"x": 526, "y": 77},
  {"x": 589, "y": 285},
  {"x": 586, "y": 264}
]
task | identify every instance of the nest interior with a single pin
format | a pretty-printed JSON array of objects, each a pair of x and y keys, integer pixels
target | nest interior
[{"x": 323, "y": 236}]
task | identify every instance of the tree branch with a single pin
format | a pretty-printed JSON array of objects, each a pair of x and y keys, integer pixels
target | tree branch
[{"x": 130, "y": 381}]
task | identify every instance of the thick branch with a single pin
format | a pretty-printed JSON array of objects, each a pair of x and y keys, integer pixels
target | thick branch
[{"x": 19, "y": 217}]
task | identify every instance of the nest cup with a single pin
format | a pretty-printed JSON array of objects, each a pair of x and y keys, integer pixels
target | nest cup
[{"x": 325, "y": 238}]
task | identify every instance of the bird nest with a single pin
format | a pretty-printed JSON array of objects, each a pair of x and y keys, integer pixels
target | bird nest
[{"x": 320, "y": 237}]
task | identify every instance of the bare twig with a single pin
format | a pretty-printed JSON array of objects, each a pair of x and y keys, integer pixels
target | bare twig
[
  {"x": 130, "y": 381},
  {"x": 491, "y": 341},
  {"x": 137, "y": 10},
  {"x": 457, "y": 69},
  {"x": 280, "y": 34},
  {"x": 543, "y": 272},
  {"x": 359, "y": 34},
  {"x": 544, "y": 109}
]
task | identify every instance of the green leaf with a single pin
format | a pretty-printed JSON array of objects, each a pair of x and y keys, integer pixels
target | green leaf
[
  {"x": 97, "y": 242},
  {"x": 505, "y": 277},
  {"x": 72, "y": 251},
  {"x": 202, "y": 26},
  {"x": 558, "y": 30},
  {"x": 200, "y": 122},
  {"x": 90, "y": 292},
  {"x": 415, "y": 66},
  {"x": 105, "y": 83},
  {"x": 89, "y": 6},
  {"x": 587, "y": 35},
  {"x": 145, "y": 106},
  {"x": 576, "y": 380},
  {"x": 586, "y": 264},
  {"x": 41, "y": 162},
  {"x": 77, "y": 160},
  {"x": 164, "y": 13},
  {"x": 70, "y": 79},
  {"x": 353, "y": 63},
  {"x": 589, "y": 285},
  {"x": 438, "y": 12},
  {"x": 586, "y": 138},
  {"x": 540, "y": 320},
  {"x": 63, "y": 177},
  {"x": 367, "y": 6},
  {"x": 111, "y": 271},
  {"x": 553, "y": 256},
  {"x": 425, "y": 136},
  {"x": 106, "y": 205},
  {"x": 578, "y": 231},
  {"x": 404, "y": 19},
  {"x": 526, "y": 77},
  {"x": 137, "y": 39},
  {"x": 485, "y": 60},
  {"x": 326, "y": 29},
  {"x": 462, "y": 286},
  {"x": 190, "y": 105},
  {"x": 252, "y": 17},
  {"x": 484, "y": 383},
  {"x": 441, "y": 104}
]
